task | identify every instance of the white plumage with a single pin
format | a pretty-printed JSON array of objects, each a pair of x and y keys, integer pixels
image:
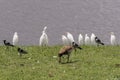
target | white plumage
[
  {"x": 93, "y": 39},
  {"x": 113, "y": 39},
  {"x": 65, "y": 40},
  {"x": 80, "y": 39},
  {"x": 44, "y": 38},
  {"x": 70, "y": 38},
  {"x": 87, "y": 39},
  {"x": 45, "y": 28},
  {"x": 15, "y": 38}
]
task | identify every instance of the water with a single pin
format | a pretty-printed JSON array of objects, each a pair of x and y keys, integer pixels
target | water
[{"x": 28, "y": 18}]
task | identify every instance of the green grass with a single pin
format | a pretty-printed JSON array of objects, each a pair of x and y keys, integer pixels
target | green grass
[{"x": 91, "y": 63}]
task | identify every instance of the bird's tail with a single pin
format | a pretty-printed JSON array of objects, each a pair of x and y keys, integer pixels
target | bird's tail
[
  {"x": 25, "y": 52},
  {"x": 79, "y": 47},
  {"x": 102, "y": 44},
  {"x": 12, "y": 45}
]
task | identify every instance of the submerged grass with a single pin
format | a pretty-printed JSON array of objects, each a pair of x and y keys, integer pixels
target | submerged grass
[{"x": 91, "y": 63}]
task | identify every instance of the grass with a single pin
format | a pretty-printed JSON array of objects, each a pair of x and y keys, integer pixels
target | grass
[{"x": 91, "y": 63}]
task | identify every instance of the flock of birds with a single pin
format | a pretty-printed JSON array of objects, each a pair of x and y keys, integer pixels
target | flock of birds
[
  {"x": 20, "y": 51},
  {"x": 15, "y": 42},
  {"x": 68, "y": 39},
  {"x": 68, "y": 42},
  {"x": 92, "y": 40}
]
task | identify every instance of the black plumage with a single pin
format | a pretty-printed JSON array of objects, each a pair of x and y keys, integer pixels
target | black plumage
[
  {"x": 7, "y": 43},
  {"x": 21, "y": 51},
  {"x": 75, "y": 45},
  {"x": 98, "y": 41}
]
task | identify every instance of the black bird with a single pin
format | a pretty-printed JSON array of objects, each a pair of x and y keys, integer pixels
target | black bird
[
  {"x": 21, "y": 51},
  {"x": 98, "y": 41},
  {"x": 7, "y": 43},
  {"x": 76, "y": 45}
]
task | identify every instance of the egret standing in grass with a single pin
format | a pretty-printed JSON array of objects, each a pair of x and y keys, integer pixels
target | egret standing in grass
[
  {"x": 15, "y": 38},
  {"x": 44, "y": 38},
  {"x": 93, "y": 39},
  {"x": 65, "y": 40},
  {"x": 80, "y": 39},
  {"x": 87, "y": 39},
  {"x": 113, "y": 39},
  {"x": 70, "y": 38}
]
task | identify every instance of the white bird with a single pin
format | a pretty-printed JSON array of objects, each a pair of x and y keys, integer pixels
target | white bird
[
  {"x": 92, "y": 38},
  {"x": 45, "y": 28},
  {"x": 70, "y": 38},
  {"x": 44, "y": 38},
  {"x": 65, "y": 40},
  {"x": 113, "y": 39},
  {"x": 87, "y": 39},
  {"x": 80, "y": 39},
  {"x": 15, "y": 38}
]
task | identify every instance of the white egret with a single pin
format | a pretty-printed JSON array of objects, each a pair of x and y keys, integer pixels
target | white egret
[
  {"x": 93, "y": 39},
  {"x": 87, "y": 39},
  {"x": 45, "y": 28},
  {"x": 80, "y": 39},
  {"x": 70, "y": 38},
  {"x": 113, "y": 39},
  {"x": 44, "y": 38},
  {"x": 15, "y": 38},
  {"x": 65, "y": 40}
]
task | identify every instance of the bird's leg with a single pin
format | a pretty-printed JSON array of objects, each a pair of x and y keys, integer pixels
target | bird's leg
[
  {"x": 68, "y": 58},
  {"x": 75, "y": 49},
  {"x": 97, "y": 45},
  {"x": 6, "y": 48},
  {"x": 59, "y": 59},
  {"x": 19, "y": 54}
]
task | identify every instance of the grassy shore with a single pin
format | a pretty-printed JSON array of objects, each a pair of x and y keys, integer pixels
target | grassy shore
[{"x": 91, "y": 63}]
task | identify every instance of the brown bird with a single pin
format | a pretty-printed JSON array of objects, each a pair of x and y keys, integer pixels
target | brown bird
[{"x": 66, "y": 50}]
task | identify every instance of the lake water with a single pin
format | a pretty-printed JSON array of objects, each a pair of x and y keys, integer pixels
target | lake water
[{"x": 28, "y": 18}]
